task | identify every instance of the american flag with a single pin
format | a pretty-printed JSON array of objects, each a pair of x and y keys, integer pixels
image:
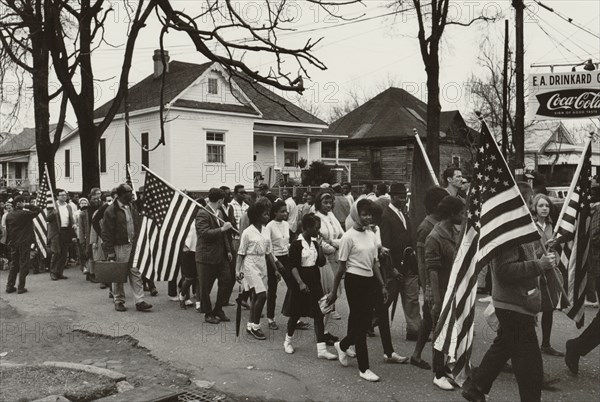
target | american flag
[
  {"x": 497, "y": 218},
  {"x": 166, "y": 219},
  {"x": 129, "y": 182},
  {"x": 40, "y": 226},
  {"x": 573, "y": 229}
]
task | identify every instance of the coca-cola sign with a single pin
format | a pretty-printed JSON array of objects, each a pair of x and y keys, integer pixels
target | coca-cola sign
[
  {"x": 567, "y": 103},
  {"x": 568, "y": 95}
]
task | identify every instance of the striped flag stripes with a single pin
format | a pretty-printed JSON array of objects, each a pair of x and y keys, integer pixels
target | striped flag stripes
[
  {"x": 573, "y": 229},
  {"x": 167, "y": 215},
  {"x": 497, "y": 219},
  {"x": 44, "y": 200}
]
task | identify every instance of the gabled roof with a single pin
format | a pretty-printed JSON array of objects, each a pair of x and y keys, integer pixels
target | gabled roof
[
  {"x": 542, "y": 133},
  {"x": 394, "y": 113},
  {"x": 23, "y": 141},
  {"x": 146, "y": 94}
]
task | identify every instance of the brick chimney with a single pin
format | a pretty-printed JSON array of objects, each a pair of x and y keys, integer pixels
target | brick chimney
[{"x": 158, "y": 66}]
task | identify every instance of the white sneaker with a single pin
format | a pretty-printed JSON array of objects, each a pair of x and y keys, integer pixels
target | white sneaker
[
  {"x": 395, "y": 358},
  {"x": 174, "y": 298},
  {"x": 287, "y": 345},
  {"x": 342, "y": 356},
  {"x": 369, "y": 375},
  {"x": 323, "y": 353},
  {"x": 351, "y": 352},
  {"x": 188, "y": 302},
  {"x": 443, "y": 383}
]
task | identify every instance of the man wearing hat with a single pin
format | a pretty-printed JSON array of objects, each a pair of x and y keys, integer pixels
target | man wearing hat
[{"x": 396, "y": 236}]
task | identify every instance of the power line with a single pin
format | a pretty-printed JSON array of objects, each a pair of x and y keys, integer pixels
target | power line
[
  {"x": 569, "y": 20},
  {"x": 557, "y": 44},
  {"x": 574, "y": 42}
]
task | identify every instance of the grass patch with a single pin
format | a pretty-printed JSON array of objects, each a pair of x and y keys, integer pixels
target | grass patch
[{"x": 34, "y": 382}]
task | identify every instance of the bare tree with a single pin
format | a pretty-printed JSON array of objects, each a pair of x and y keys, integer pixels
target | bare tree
[
  {"x": 24, "y": 55},
  {"x": 432, "y": 26}
]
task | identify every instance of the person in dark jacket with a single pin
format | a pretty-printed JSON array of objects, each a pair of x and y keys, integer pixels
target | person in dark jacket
[
  {"x": 440, "y": 251},
  {"x": 517, "y": 300},
  {"x": 395, "y": 235},
  {"x": 120, "y": 226},
  {"x": 19, "y": 227},
  {"x": 61, "y": 232},
  {"x": 213, "y": 255}
]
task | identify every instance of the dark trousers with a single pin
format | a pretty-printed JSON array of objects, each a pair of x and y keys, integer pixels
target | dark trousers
[
  {"x": 148, "y": 283},
  {"x": 59, "y": 260},
  {"x": 425, "y": 328},
  {"x": 235, "y": 245},
  {"x": 590, "y": 337},
  {"x": 360, "y": 292},
  {"x": 207, "y": 275},
  {"x": 438, "y": 360},
  {"x": 516, "y": 340},
  {"x": 19, "y": 265},
  {"x": 271, "y": 291},
  {"x": 383, "y": 322}
]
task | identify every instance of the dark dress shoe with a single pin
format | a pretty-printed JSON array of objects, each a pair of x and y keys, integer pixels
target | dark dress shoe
[
  {"x": 211, "y": 319},
  {"x": 103, "y": 286},
  {"x": 21, "y": 291},
  {"x": 420, "y": 363},
  {"x": 12, "y": 289},
  {"x": 120, "y": 307},
  {"x": 63, "y": 277},
  {"x": 153, "y": 292},
  {"x": 222, "y": 317},
  {"x": 471, "y": 393},
  {"x": 53, "y": 276},
  {"x": 302, "y": 325},
  {"x": 571, "y": 357},
  {"x": 550, "y": 351},
  {"x": 143, "y": 306},
  {"x": 182, "y": 305}
]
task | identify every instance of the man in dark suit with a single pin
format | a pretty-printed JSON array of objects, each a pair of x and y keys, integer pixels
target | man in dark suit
[
  {"x": 396, "y": 236},
  {"x": 213, "y": 255},
  {"x": 61, "y": 231}
]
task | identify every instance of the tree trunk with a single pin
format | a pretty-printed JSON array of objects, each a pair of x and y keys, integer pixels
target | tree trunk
[
  {"x": 432, "y": 67},
  {"x": 90, "y": 166},
  {"x": 41, "y": 100}
]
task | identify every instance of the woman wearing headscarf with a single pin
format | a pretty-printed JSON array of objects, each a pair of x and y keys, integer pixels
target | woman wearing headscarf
[
  {"x": 359, "y": 263},
  {"x": 331, "y": 233}
]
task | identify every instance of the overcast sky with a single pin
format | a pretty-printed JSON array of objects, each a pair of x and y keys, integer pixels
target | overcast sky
[{"x": 365, "y": 56}]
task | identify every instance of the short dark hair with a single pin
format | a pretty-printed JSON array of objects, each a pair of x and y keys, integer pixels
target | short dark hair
[
  {"x": 382, "y": 188},
  {"x": 449, "y": 206},
  {"x": 276, "y": 206},
  {"x": 449, "y": 173},
  {"x": 432, "y": 198},
  {"x": 215, "y": 194},
  {"x": 324, "y": 193},
  {"x": 310, "y": 220},
  {"x": 377, "y": 212},
  {"x": 368, "y": 186},
  {"x": 122, "y": 189},
  {"x": 224, "y": 188},
  {"x": 58, "y": 191},
  {"x": 18, "y": 198},
  {"x": 113, "y": 192},
  {"x": 255, "y": 212},
  {"x": 201, "y": 201},
  {"x": 237, "y": 188}
]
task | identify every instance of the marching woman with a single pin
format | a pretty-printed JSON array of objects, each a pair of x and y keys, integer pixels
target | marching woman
[
  {"x": 306, "y": 255},
  {"x": 279, "y": 232},
  {"x": 358, "y": 262},
  {"x": 331, "y": 232},
  {"x": 542, "y": 209},
  {"x": 251, "y": 265}
]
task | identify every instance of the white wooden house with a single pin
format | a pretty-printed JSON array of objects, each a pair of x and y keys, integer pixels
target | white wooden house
[{"x": 218, "y": 131}]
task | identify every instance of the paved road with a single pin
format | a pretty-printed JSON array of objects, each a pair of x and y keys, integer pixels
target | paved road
[{"x": 260, "y": 368}]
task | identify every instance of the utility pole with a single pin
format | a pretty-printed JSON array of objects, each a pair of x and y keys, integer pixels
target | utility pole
[
  {"x": 505, "y": 95},
  {"x": 519, "y": 134}
]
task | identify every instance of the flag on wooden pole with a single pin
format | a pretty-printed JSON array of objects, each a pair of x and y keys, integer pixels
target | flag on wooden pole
[
  {"x": 497, "y": 219},
  {"x": 166, "y": 218},
  {"x": 573, "y": 234},
  {"x": 44, "y": 200}
]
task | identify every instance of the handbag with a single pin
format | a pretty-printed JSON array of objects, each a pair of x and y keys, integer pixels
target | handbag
[{"x": 325, "y": 308}]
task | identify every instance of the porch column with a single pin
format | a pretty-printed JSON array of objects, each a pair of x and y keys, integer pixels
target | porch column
[
  {"x": 337, "y": 151},
  {"x": 308, "y": 151},
  {"x": 274, "y": 151}
]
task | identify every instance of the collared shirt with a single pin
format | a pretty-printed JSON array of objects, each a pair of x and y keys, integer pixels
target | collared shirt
[
  {"x": 129, "y": 218},
  {"x": 238, "y": 211},
  {"x": 292, "y": 209},
  {"x": 309, "y": 252},
  {"x": 63, "y": 210},
  {"x": 399, "y": 213}
]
